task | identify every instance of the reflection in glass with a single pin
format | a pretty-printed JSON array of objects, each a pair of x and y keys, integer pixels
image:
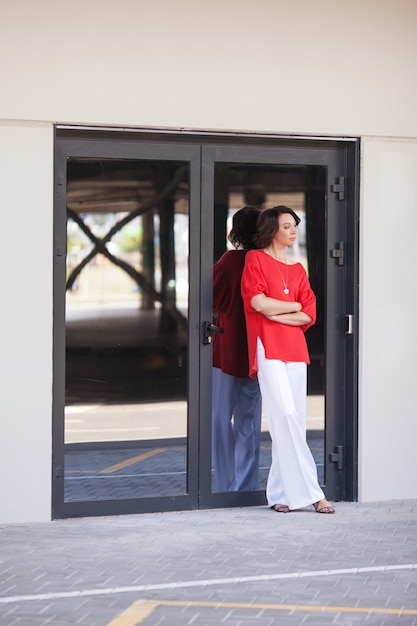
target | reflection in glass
[
  {"x": 301, "y": 188},
  {"x": 126, "y": 329}
]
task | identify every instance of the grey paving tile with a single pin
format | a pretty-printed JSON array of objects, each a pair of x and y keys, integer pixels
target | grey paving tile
[{"x": 197, "y": 548}]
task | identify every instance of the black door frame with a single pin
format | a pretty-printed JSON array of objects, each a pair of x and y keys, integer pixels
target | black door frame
[
  {"x": 341, "y": 301},
  {"x": 341, "y": 156},
  {"x": 103, "y": 148}
]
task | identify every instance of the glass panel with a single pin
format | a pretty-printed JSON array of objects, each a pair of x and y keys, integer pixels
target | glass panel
[
  {"x": 126, "y": 329},
  {"x": 301, "y": 188}
]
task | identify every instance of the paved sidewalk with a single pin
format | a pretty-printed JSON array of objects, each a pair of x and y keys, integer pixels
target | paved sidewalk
[{"x": 236, "y": 567}]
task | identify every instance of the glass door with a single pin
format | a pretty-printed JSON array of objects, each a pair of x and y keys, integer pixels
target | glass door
[
  {"x": 300, "y": 178},
  {"x": 139, "y": 223},
  {"x": 128, "y": 439}
]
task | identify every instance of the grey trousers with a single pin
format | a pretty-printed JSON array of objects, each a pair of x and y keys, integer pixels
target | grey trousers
[{"x": 236, "y": 429}]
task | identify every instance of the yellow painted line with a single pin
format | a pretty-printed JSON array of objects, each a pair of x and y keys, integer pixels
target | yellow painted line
[
  {"x": 142, "y": 608},
  {"x": 132, "y": 461},
  {"x": 135, "y": 613}
]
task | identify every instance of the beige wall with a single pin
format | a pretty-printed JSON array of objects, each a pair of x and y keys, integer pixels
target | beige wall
[
  {"x": 322, "y": 68},
  {"x": 26, "y": 195},
  {"x": 388, "y": 331}
]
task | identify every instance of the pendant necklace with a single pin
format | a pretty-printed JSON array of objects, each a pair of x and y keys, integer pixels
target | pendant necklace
[{"x": 285, "y": 282}]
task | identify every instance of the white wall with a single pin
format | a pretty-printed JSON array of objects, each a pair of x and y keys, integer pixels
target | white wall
[
  {"x": 322, "y": 67},
  {"x": 26, "y": 191},
  {"x": 314, "y": 68},
  {"x": 388, "y": 329}
]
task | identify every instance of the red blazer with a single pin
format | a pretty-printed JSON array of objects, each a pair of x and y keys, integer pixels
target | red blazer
[{"x": 230, "y": 350}]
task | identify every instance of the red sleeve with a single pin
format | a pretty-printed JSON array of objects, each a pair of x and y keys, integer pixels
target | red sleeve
[
  {"x": 253, "y": 280},
  {"x": 308, "y": 300}
]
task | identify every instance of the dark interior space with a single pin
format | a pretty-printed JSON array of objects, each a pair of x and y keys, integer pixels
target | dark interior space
[
  {"x": 139, "y": 354},
  {"x": 127, "y": 300}
]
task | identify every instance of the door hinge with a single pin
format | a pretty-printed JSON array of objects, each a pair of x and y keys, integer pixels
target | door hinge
[
  {"x": 337, "y": 457},
  {"x": 338, "y": 253},
  {"x": 339, "y": 187}
]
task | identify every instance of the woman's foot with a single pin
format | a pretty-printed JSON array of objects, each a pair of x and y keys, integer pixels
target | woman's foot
[
  {"x": 323, "y": 506},
  {"x": 280, "y": 508}
]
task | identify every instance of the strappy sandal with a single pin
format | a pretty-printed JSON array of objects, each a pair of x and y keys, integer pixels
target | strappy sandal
[
  {"x": 326, "y": 507},
  {"x": 280, "y": 508}
]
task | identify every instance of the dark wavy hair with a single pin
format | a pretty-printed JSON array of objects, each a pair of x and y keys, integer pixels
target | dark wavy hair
[
  {"x": 267, "y": 225},
  {"x": 244, "y": 227}
]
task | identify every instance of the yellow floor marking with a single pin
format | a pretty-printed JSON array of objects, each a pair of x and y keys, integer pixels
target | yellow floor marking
[
  {"x": 142, "y": 608},
  {"x": 132, "y": 461},
  {"x": 135, "y": 613}
]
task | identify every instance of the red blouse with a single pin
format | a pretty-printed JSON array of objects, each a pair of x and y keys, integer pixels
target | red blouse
[
  {"x": 264, "y": 274},
  {"x": 230, "y": 350}
]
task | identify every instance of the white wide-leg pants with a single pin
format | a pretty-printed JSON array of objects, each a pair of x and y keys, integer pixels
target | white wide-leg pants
[
  {"x": 235, "y": 445},
  {"x": 292, "y": 478}
]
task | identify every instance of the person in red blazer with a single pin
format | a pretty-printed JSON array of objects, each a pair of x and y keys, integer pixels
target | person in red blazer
[{"x": 236, "y": 399}]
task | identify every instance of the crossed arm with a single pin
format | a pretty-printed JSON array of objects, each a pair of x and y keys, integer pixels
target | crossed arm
[{"x": 281, "y": 311}]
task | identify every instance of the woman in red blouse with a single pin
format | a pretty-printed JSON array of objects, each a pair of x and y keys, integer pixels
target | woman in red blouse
[
  {"x": 236, "y": 403},
  {"x": 279, "y": 307}
]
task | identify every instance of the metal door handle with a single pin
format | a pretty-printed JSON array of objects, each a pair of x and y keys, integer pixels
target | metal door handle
[
  {"x": 349, "y": 324},
  {"x": 208, "y": 329}
]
